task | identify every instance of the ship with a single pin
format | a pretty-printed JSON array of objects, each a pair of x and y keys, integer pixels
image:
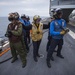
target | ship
[{"x": 67, "y": 7}]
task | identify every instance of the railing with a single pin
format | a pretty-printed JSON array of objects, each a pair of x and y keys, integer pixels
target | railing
[{"x": 62, "y": 2}]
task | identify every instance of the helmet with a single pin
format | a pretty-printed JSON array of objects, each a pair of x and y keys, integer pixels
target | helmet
[
  {"x": 52, "y": 11},
  {"x": 13, "y": 16},
  {"x": 23, "y": 16},
  {"x": 57, "y": 12},
  {"x": 36, "y": 17},
  {"x": 16, "y": 15}
]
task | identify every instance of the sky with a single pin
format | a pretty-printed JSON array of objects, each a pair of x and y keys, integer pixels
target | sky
[{"x": 28, "y": 7}]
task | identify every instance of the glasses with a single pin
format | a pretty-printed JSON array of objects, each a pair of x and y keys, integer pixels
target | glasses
[{"x": 38, "y": 20}]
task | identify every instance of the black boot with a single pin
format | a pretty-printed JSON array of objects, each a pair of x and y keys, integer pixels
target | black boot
[
  {"x": 52, "y": 58},
  {"x": 24, "y": 65},
  {"x": 14, "y": 59},
  {"x": 48, "y": 64},
  {"x": 60, "y": 56},
  {"x": 35, "y": 59},
  {"x": 38, "y": 55},
  {"x": 27, "y": 51}
]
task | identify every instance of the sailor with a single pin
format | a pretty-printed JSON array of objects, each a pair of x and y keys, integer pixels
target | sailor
[
  {"x": 23, "y": 17},
  {"x": 57, "y": 31},
  {"x": 28, "y": 31},
  {"x": 36, "y": 34},
  {"x": 14, "y": 33},
  {"x": 49, "y": 36}
]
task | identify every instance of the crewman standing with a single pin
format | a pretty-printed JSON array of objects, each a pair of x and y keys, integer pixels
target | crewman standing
[
  {"x": 57, "y": 31},
  {"x": 15, "y": 35},
  {"x": 36, "y": 34},
  {"x": 28, "y": 31}
]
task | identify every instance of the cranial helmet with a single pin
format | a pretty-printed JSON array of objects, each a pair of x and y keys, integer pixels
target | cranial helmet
[
  {"x": 57, "y": 12},
  {"x": 23, "y": 16},
  {"x": 27, "y": 17},
  {"x": 13, "y": 16},
  {"x": 16, "y": 15},
  {"x": 36, "y": 17}
]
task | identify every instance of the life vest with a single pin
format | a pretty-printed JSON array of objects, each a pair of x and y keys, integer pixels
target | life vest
[
  {"x": 14, "y": 27},
  {"x": 63, "y": 22},
  {"x": 58, "y": 28},
  {"x": 34, "y": 33}
]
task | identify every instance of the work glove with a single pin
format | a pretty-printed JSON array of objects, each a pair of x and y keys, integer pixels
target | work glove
[
  {"x": 9, "y": 31},
  {"x": 8, "y": 34},
  {"x": 62, "y": 32}
]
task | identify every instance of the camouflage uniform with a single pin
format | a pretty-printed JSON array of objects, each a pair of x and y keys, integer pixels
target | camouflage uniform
[{"x": 17, "y": 41}]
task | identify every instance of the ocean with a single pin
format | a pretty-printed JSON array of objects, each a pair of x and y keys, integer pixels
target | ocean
[{"x": 4, "y": 23}]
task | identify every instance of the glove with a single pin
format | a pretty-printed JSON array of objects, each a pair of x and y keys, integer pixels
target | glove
[
  {"x": 9, "y": 31},
  {"x": 8, "y": 34},
  {"x": 62, "y": 32}
]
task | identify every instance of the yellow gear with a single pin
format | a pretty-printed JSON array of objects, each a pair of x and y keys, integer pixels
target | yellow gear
[
  {"x": 36, "y": 17},
  {"x": 62, "y": 32},
  {"x": 37, "y": 33}
]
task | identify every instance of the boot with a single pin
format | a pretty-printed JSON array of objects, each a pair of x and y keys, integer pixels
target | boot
[
  {"x": 14, "y": 59},
  {"x": 35, "y": 59},
  {"x": 38, "y": 55},
  {"x": 60, "y": 56},
  {"x": 28, "y": 51},
  {"x": 48, "y": 64},
  {"x": 23, "y": 65},
  {"x": 52, "y": 58}
]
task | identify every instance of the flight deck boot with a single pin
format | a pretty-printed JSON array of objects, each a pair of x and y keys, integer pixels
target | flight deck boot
[
  {"x": 14, "y": 59},
  {"x": 48, "y": 63}
]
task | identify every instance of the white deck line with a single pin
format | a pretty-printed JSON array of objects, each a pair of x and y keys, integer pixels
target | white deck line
[
  {"x": 72, "y": 34},
  {"x": 6, "y": 44}
]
